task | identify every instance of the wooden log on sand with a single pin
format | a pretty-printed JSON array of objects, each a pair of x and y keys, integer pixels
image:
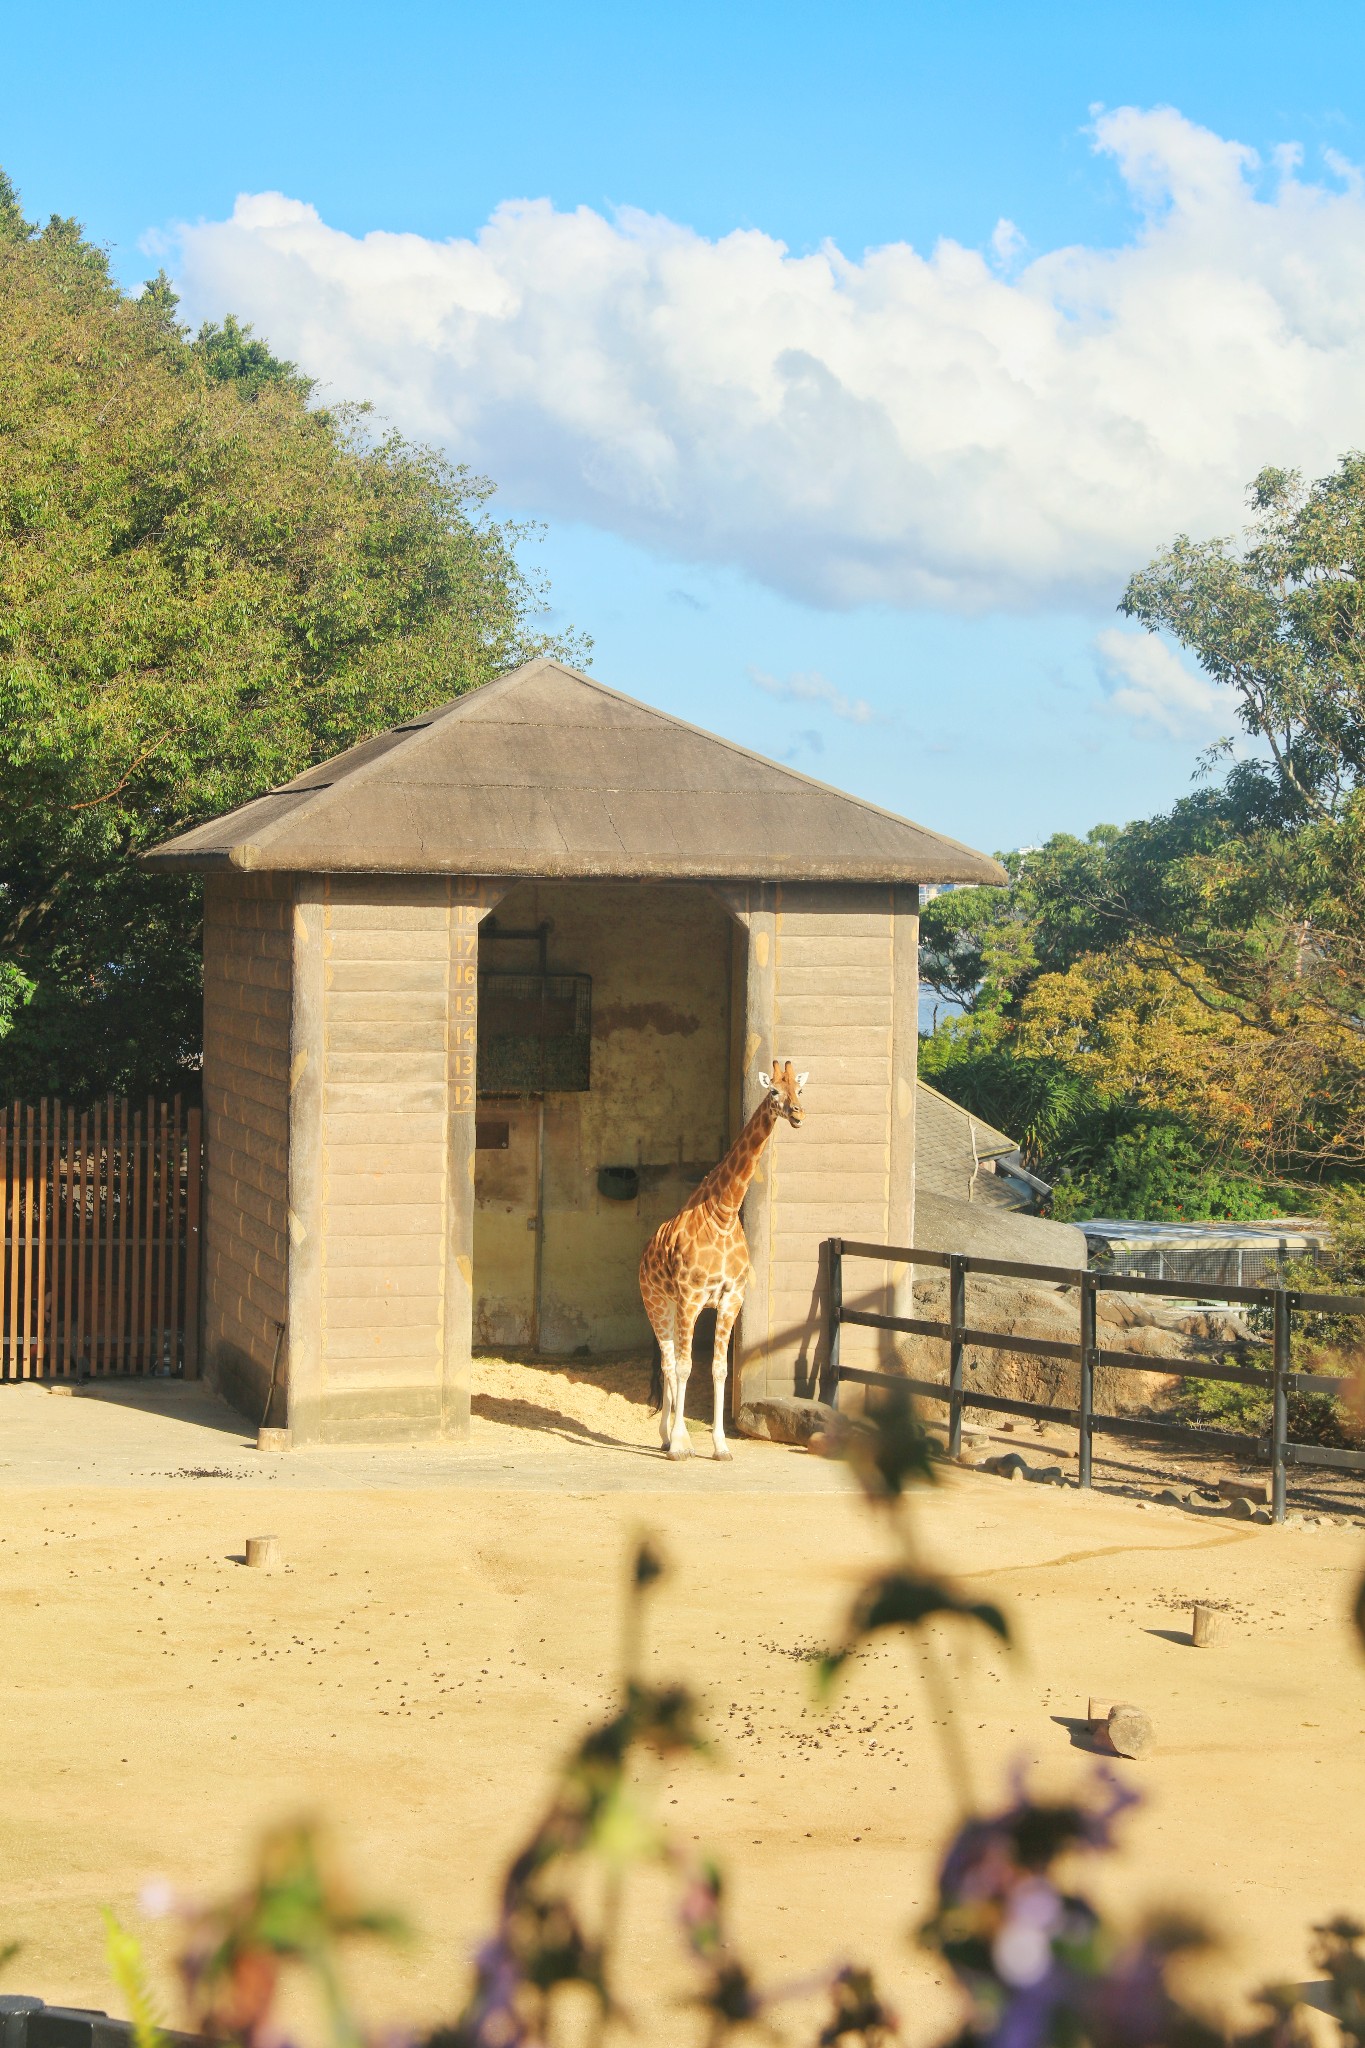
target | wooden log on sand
[{"x": 1206, "y": 1625}]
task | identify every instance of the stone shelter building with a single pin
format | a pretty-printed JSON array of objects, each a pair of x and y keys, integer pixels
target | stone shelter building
[
  {"x": 486, "y": 996},
  {"x": 974, "y": 1194}
]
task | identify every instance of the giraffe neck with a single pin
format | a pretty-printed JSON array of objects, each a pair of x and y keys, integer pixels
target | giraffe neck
[{"x": 726, "y": 1185}]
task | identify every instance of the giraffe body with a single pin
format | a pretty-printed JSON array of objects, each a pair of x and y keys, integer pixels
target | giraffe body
[{"x": 699, "y": 1259}]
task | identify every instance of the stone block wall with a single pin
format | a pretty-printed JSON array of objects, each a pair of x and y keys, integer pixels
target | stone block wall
[
  {"x": 839, "y": 999},
  {"x": 339, "y": 1087},
  {"x": 246, "y": 1127},
  {"x": 381, "y": 1169}
]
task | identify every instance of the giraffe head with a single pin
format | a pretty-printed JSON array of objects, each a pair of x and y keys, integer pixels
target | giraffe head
[{"x": 784, "y": 1091}]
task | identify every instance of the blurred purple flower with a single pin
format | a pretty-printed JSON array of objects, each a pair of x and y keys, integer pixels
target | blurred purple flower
[{"x": 1037, "y": 1963}]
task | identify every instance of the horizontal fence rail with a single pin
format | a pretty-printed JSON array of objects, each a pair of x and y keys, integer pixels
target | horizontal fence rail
[
  {"x": 960, "y": 1336},
  {"x": 100, "y": 1268}
]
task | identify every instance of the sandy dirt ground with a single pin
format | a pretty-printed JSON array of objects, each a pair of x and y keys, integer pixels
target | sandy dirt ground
[{"x": 449, "y": 1620}]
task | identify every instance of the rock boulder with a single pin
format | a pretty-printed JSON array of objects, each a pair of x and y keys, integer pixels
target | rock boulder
[{"x": 786, "y": 1419}]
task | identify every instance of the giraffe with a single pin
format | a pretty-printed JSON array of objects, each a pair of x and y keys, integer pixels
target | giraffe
[{"x": 699, "y": 1259}]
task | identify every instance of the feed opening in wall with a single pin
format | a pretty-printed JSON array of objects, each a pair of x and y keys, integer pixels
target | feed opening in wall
[{"x": 535, "y": 1034}]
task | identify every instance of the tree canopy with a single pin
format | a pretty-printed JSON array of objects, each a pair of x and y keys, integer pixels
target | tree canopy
[
  {"x": 1200, "y": 974},
  {"x": 1279, "y": 617},
  {"x": 207, "y": 583}
]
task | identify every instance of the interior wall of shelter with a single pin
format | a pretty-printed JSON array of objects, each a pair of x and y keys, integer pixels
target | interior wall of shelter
[
  {"x": 662, "y": 1101},
  {"x": 246, "y": 1128}
]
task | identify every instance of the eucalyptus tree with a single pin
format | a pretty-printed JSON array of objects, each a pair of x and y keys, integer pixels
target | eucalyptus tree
[{"x": 207, "y": 582}]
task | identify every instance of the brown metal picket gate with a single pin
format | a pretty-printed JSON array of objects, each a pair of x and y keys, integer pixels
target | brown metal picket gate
[
  {"x": 1086, "y": 1354},
  {"x": 100, "y": 1272}
]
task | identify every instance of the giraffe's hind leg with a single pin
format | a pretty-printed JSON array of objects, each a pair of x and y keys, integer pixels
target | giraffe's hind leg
[{"x": 662, "y": 1319}]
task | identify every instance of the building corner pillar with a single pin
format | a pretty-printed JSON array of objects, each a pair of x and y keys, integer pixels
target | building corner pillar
[
  {"x": 302, "y": 1349},
  {"x": 904, "y": 1098},
  {"x": 471, "y": 900},
  {"x": 754, "y": 908}
]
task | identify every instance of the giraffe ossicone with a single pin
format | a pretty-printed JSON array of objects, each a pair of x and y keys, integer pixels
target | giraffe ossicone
[{"x": 699, "y": 1259}]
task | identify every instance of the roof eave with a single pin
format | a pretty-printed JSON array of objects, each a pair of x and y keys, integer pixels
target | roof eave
[
  {"x": 257, "y": 859},
  {"x": 190, "y": 863}
]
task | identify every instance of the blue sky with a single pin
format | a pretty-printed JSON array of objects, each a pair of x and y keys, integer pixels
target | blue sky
[{"x": 871, "y": 514}]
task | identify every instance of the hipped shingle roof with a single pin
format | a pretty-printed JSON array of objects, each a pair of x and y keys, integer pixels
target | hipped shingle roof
[{"x": 546, "y": 772}]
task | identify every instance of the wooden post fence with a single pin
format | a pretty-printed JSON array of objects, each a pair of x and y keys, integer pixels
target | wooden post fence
[
  {"x": 100, "y": 1268},
  {"x": 958, "y": 1334}
]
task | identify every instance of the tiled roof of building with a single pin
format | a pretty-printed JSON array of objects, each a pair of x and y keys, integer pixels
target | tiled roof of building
[
  {"x": 546, "y": 772},
  {"x": 952, "y": 1151}
]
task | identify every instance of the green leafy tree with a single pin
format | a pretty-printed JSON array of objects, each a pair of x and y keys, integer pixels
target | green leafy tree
[
  {"x": 1106, "y": 1153},
  {"x": 1271, "y": 908},
  {"x": 206, "y": 585},
  {"x": 1247, "y": 897},
  {"x": 1280, "y": 618},
  {"x": 1156, "y": 1169},
  {"x": 231, "y": 354},
  {"x": 985, "y": 948}
]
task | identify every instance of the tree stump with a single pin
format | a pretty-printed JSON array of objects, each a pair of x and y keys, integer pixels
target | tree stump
[
  {"x": 263, "y": 1552},
  {"x": 1206, "y": 1626}
]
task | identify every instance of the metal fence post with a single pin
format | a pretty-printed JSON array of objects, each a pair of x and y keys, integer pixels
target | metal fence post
[
  {"x": 1086, "y": 1416},
  {"x": 1279, "y": 1425},
  {"x": 957, "y": 1321},
  {"x": 834, "y": 1309}
]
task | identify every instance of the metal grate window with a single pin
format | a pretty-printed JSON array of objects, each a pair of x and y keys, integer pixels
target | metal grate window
[{"x": 535, "y": 1034}]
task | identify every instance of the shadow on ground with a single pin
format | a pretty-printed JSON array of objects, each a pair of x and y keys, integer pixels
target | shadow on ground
[
  {"x": 1083, "y": 1735},
  {"x": 187, "y": 1402},
  {"x": 602, "y": 1401},
  {"x": 517, "y": 1412}
]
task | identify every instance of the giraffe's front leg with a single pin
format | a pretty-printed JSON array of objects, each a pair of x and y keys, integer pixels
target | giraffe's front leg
[
  {"x": 664, "y": 1324},
  {"x": 727, "y": 1312},
  {"x": 677, "y": 1443}
]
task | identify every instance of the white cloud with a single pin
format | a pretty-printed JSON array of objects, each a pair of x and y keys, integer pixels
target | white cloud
[
  {"x": 813, "y": 688},
  {"x": 1147, "y": 682},
  {"x": 1007, "y": 243},
  {"x": 964, "y": 428}
]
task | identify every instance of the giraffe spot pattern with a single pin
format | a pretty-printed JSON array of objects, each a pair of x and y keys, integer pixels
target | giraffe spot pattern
[{"x": 699, "y": 1259}]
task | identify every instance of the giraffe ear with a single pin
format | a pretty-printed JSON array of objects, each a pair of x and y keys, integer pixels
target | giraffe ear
[
  {"x": 801, "y": 1081},
  {"x": 765, "y": 1080}
]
